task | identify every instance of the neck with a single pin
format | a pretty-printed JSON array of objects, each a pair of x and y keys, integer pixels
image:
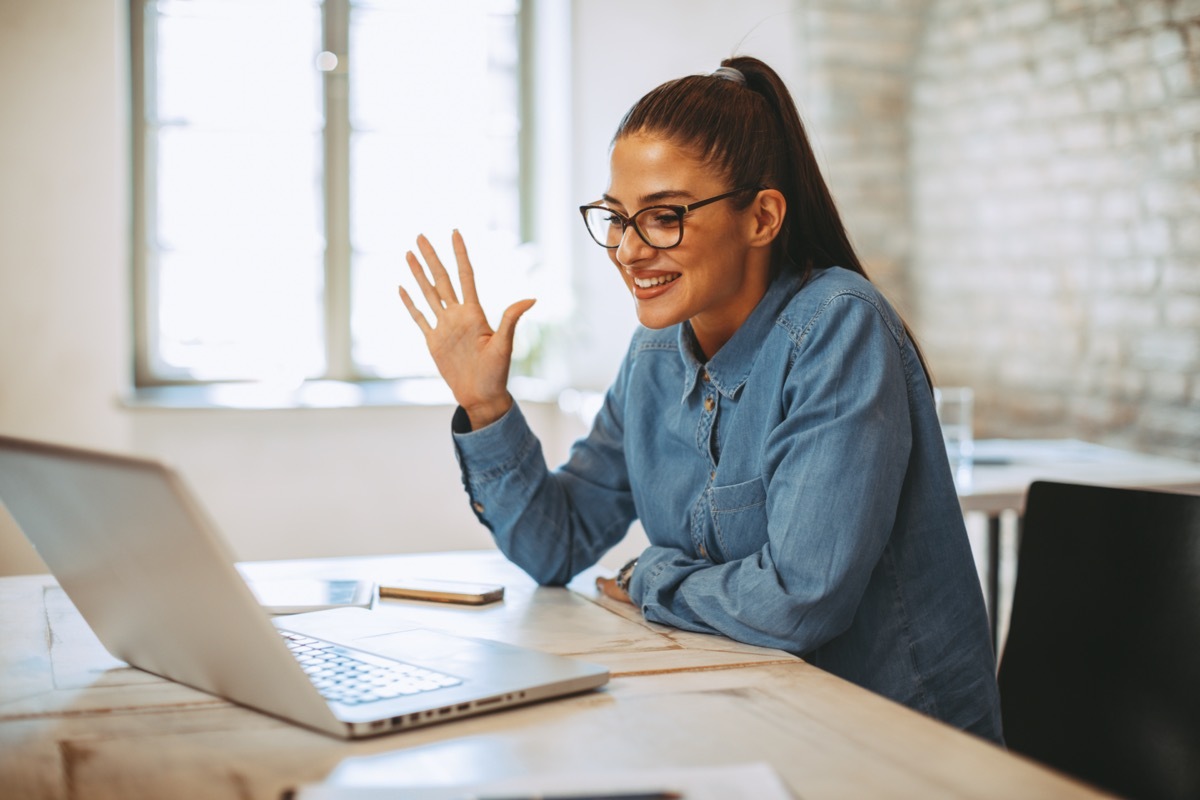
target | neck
[{"x": 714, "y": 328}]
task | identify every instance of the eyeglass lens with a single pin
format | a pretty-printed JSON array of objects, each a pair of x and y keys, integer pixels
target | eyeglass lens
[{"x": 658, "y": 227}]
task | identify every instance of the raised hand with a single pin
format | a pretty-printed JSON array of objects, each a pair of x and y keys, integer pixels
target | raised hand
[{"x": 473, "y": 359}]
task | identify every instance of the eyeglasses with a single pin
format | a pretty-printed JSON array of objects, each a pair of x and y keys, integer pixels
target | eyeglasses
[{"x": 661, "y": 227}]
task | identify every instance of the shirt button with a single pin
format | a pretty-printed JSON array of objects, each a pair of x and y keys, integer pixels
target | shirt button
[
  {"x": 478, "y": 507},
  {"x": 704, "y": 375},
  {"x": 703, "y": 551},
  {"x": 709, "y": 404}
]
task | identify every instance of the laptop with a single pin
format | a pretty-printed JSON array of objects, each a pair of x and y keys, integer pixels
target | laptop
[{"x": 131, "y": 547}]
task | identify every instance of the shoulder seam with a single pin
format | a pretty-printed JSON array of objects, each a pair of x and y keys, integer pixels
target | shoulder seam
[{"x": 799, "y": 335}]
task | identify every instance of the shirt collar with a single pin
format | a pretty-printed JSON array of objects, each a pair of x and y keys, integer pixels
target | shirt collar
[{"x": 730, "y": 367}]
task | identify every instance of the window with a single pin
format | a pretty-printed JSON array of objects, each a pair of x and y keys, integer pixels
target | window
[{"x": 287, "y": 154}]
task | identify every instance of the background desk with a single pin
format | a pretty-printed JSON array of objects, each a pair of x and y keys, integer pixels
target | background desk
[
  {"x": 996, "y": 486},
  {"x": 1004, "y": 468},
  {"x": 75, "y": 723}
]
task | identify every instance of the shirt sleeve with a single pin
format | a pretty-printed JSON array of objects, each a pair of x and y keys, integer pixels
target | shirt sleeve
[
  {"x": 834, "y": 470},
  {"x": 552, "y": 524}
]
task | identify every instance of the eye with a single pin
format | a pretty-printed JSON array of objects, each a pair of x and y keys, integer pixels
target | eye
[{"x": 663, "y": 218}]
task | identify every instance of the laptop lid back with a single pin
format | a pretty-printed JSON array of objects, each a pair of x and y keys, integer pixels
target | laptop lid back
[{"x": 137, "y": 556}]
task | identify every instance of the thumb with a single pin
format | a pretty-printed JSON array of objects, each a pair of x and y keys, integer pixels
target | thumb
[{"x": 508, "y": 322}]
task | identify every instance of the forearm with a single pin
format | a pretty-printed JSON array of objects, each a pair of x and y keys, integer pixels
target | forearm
[
  {"x": 747, "y": 600},
  {"x": 551, "y": 524}
]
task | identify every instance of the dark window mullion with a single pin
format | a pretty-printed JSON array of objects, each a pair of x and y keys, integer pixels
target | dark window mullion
[
  {"x": 145, "y": 341},
  {"x": 339, "y": 362}
]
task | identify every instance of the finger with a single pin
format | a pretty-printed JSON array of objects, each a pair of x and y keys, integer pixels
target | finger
[
  {"x": 508, "y": 323},
  {"x": 441, "y": 278},
  {"x": 417, "y": 316},
  {"x": 466, "y": 274},
  {"x": 431, "y": 294}
]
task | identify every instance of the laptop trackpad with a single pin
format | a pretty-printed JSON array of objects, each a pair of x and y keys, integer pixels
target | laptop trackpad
[{"x": 445, "y": 652}]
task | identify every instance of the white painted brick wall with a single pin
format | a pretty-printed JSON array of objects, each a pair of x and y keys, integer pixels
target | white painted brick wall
[
  {"x": 1023, "y": 178},
  {"x": 1050, "y": 245}
]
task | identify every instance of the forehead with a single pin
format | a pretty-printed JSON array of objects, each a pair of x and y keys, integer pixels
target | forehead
[{"x": 643, "y": 168}]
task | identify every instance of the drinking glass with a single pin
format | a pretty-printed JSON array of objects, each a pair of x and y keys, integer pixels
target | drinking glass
[{"x": 955, "y": 407}]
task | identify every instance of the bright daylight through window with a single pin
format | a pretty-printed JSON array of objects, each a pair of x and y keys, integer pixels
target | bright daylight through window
[{"x": 288, "y": 154}]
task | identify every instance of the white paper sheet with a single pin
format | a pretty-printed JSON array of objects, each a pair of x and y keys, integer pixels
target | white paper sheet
[{"x": 757, "y": 781}]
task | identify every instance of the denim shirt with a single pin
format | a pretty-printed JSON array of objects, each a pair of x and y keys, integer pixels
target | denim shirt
[{"x": 795, "y": 491}]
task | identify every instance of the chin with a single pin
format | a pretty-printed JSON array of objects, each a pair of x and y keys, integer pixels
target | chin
[{"x": 657, "y": 320}]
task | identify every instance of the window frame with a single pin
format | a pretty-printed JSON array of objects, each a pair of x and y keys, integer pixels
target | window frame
[{"x": 336, "y": 147}]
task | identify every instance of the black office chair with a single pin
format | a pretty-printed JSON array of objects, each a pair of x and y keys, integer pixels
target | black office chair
[{"x": 1100, "y": 675}]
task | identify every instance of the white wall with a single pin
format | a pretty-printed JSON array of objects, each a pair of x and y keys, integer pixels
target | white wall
[
  {"x": 64, "y": 188},
  {"x": 291, "y": 483},
  {"x": 623, "y": 49}
]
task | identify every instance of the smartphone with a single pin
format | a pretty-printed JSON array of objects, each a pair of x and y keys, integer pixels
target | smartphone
[
  {"x": 297, "y": 595},
  {"x": 436, "y": 591}
]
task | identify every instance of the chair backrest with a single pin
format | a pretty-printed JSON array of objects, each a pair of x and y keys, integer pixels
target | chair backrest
[{"x": 1100, "y": 675}]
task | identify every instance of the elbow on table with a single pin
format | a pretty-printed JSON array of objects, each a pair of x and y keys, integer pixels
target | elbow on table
[{"x": 800, "y": 626}]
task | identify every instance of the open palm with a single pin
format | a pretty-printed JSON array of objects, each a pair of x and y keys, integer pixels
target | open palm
[{"x": 472, "y": 358}]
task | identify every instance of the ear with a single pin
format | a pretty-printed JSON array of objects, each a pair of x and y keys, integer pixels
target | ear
[{"x": 769, "y": 209}]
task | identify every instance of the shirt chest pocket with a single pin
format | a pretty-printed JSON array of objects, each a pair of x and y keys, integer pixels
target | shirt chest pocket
[{"x": 739, "y": 516}]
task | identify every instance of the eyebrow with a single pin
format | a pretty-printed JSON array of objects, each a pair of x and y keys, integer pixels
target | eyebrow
[{"x": 655, "y": 198}]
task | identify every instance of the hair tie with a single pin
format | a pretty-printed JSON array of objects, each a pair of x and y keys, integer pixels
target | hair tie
[{"x": 729, "y": 74}]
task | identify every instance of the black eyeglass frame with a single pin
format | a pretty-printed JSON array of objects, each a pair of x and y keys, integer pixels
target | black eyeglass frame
[{"x": 679, "y": 211}]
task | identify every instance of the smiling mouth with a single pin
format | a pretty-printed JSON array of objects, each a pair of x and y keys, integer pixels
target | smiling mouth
[{"x": 657, "y": 280}]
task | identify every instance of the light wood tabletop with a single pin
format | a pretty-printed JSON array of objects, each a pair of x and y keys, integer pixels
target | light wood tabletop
[{"x": 77, "y": 723}]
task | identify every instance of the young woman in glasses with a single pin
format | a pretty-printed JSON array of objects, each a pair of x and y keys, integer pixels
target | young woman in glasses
[{"x": 772, "y": 424}]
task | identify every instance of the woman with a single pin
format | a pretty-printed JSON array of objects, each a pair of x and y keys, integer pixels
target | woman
[{"x": 772, "y": 424}]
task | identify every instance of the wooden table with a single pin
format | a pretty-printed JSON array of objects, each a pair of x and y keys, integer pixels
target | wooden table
[
  {"x": 76, "y": 723},
  {"x": 1003, "y": 469}
]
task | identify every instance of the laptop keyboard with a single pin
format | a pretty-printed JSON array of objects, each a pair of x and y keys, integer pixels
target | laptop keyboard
[{"x": 353, "y": 677}]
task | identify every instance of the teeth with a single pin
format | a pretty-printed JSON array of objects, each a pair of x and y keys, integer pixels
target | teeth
[{"x": 658, "y": 280}]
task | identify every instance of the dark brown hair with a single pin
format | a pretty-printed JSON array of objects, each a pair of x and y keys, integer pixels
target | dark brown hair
[{"x": 752, "y": 133}]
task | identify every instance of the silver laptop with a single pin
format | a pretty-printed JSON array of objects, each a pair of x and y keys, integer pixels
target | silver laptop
[{"x": 135, "y": 553}]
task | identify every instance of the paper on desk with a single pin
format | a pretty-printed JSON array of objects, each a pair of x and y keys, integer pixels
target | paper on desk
[{"x": 757, "y": 781}]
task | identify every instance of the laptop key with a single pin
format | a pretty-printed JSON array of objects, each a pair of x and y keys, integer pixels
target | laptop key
[{"x": 346, "y": 676}]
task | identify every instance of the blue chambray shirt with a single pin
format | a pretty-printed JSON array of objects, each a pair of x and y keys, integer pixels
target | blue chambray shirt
[{"x": 795, "y": 491}]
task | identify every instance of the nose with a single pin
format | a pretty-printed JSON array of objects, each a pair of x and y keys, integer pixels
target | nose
[{"x": 631, "y": 249}]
